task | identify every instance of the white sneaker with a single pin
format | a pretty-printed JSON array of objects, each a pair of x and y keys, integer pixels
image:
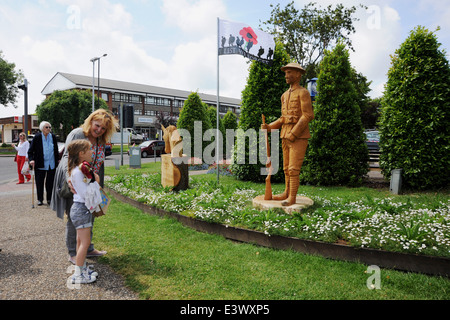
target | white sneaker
[
  {"x": 82, "y": 278},
  {"x": 90, "y": 272}
]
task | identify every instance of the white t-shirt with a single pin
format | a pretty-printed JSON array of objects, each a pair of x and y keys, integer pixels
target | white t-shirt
[
  {"x": 86, "y": 192},
  {"x": 77, "y": 177},
  {"x": 22, "y": 149}
]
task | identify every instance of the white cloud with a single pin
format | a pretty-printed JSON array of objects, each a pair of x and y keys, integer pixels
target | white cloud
[
  {"x": 194, "y": 16},
  {"x": 77, "y": 31},
  {"x": 374, "y": 43}
]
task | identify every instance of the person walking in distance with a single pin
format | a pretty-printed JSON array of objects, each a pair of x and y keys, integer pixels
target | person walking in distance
[{"x": 22, "y": 157}]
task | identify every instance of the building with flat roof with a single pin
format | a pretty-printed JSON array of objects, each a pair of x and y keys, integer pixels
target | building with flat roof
[
  {"x": 147, "y": 101},
  {"x": 11, "y": 127}
]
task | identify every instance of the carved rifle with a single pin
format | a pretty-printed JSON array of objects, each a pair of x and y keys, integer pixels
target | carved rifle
[{"x": 268, "y": 193}]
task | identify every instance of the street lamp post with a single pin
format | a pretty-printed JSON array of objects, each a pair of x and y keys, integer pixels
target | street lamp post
[
  {"x": 93, "y": 79},
  {"x": 24, "y": 87}
]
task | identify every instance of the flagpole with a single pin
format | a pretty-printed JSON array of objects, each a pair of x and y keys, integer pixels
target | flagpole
[{"x": 218, "y": 106}]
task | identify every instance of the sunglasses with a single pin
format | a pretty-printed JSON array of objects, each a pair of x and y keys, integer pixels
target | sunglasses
[{"x": 47, "y": 127}]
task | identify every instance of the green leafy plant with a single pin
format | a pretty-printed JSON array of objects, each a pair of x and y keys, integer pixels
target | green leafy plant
[
  {"x": 414, "y": 125},
  {"x": 193, "y": 110},
  {"x": 337, "y": 153}
]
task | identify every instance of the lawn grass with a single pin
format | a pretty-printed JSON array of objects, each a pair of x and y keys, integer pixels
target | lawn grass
[
  {"x": 361, "y": 217},
  {"x": 162, "y": 259}
]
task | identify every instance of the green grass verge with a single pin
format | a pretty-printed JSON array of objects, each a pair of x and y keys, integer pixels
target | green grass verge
[{"x": 162, "y": 259}]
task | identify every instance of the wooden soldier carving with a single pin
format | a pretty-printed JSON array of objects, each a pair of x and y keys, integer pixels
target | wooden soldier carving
[{"x": 296, "y": 113}]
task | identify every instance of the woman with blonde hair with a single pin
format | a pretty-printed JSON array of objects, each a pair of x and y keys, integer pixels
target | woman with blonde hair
[
  {"x": 22, "y": 156},
  {"x": 98, "y": 129}
]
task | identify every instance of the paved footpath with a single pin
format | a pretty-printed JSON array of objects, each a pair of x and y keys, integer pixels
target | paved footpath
[{"x": 33, "y": 257}]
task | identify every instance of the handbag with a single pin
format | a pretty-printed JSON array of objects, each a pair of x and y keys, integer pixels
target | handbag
[
  {"x": 25, "y": 169},
  {"x": 65, "y": 192},
  {"x": 15, "y": 158}
]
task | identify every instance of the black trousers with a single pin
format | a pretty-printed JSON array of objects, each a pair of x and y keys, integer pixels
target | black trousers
[{"x": 44, "y": 177}]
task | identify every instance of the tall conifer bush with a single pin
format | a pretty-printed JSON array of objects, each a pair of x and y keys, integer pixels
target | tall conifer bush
[
  {"x": 337, "y": 153},
  {"x": 415, "y": 124},
  {"x": 194, "y": 110},
  {"x": 212, "y": 114},
  {"x": 262, "y": 95}
]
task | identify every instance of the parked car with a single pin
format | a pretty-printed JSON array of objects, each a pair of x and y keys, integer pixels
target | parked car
[
  {"x": 372, "y": 140},
  {"x": 148, "y": 148},
  {"x": 108, "y": 149}
]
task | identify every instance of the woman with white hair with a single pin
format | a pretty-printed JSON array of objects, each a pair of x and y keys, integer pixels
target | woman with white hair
[{"x": 43, "y": 156}]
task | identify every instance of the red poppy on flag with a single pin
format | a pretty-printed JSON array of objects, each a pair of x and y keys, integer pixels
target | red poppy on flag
[{"x": 249, "y": 35}]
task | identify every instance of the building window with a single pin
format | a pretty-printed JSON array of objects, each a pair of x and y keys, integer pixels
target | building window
[
  {"x": 150, "y": 112},
  {"x": 135, "y": 98},
  {"x": 150, "y": 100}
]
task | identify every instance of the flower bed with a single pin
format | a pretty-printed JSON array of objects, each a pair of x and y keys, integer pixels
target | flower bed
[{"x": 385, "y": 223}]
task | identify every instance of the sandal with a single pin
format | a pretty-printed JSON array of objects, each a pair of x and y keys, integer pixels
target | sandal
[{"x": 95, "y": 253}]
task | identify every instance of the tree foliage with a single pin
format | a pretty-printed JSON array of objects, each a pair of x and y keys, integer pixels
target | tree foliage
[
  {"x": 337, "y": 153},
  {"x": 165, "y": 119},
  {"x": 414, "y": 126},
  {"x": 261, "y": 95},
  {"x": 9, "y": 78},
  {"x": 194, "y": 110},
  {"x": 308, "y": 32},
  {"x": 67, "y": 110},
  {"x": 230, "y": 121},
  {"x": 212, "y": 114}
]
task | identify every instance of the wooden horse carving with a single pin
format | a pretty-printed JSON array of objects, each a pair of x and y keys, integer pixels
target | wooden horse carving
[
  {"x": 173, "y": 141},
  {"x": 174, "y": 173}
]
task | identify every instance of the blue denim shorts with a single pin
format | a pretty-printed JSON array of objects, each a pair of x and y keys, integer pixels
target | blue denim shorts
[{"x": 81, "y": 216}]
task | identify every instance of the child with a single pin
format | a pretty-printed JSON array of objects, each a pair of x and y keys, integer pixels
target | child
[{"x": 81, "y": 176}]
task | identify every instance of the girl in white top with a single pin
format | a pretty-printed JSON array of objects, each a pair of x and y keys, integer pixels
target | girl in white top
[
  {"x": 81, "y": 175},
  {"x": 22, "y": 157}
]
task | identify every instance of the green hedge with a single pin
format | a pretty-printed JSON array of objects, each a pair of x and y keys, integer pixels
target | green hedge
[{"x": 415, "y": 122}]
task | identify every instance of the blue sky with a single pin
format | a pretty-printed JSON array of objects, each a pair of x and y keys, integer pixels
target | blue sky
[{"x": 172, "y": 43}]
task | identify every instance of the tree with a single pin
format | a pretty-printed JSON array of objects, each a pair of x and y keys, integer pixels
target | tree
[
  {"x": 307, "y": 33},
  {"x": 194, "y": 110},
  {"x": 362, "y": 86},
  {"x": 9, "y": 78},
  {"x": 261, "y": 95},
  {"x": 212, "y": 114},
  {"x": 370, "y": 113},
  {"x": 337, "y": 153},
  {"x": 230, "y": 121},
  {"x": 67, "y": 110},
  {"x": 414, "y": 125},
  {"x": 165, "y": 119}
]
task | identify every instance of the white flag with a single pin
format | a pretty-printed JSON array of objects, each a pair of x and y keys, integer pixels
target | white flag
[{"x": 240, "y": 38}]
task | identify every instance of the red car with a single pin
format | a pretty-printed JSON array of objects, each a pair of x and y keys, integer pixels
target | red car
[{"x": 148, "y": 148}]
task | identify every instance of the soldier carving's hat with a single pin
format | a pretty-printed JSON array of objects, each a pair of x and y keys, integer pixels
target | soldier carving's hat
[{"x": 294, "y": 65}]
